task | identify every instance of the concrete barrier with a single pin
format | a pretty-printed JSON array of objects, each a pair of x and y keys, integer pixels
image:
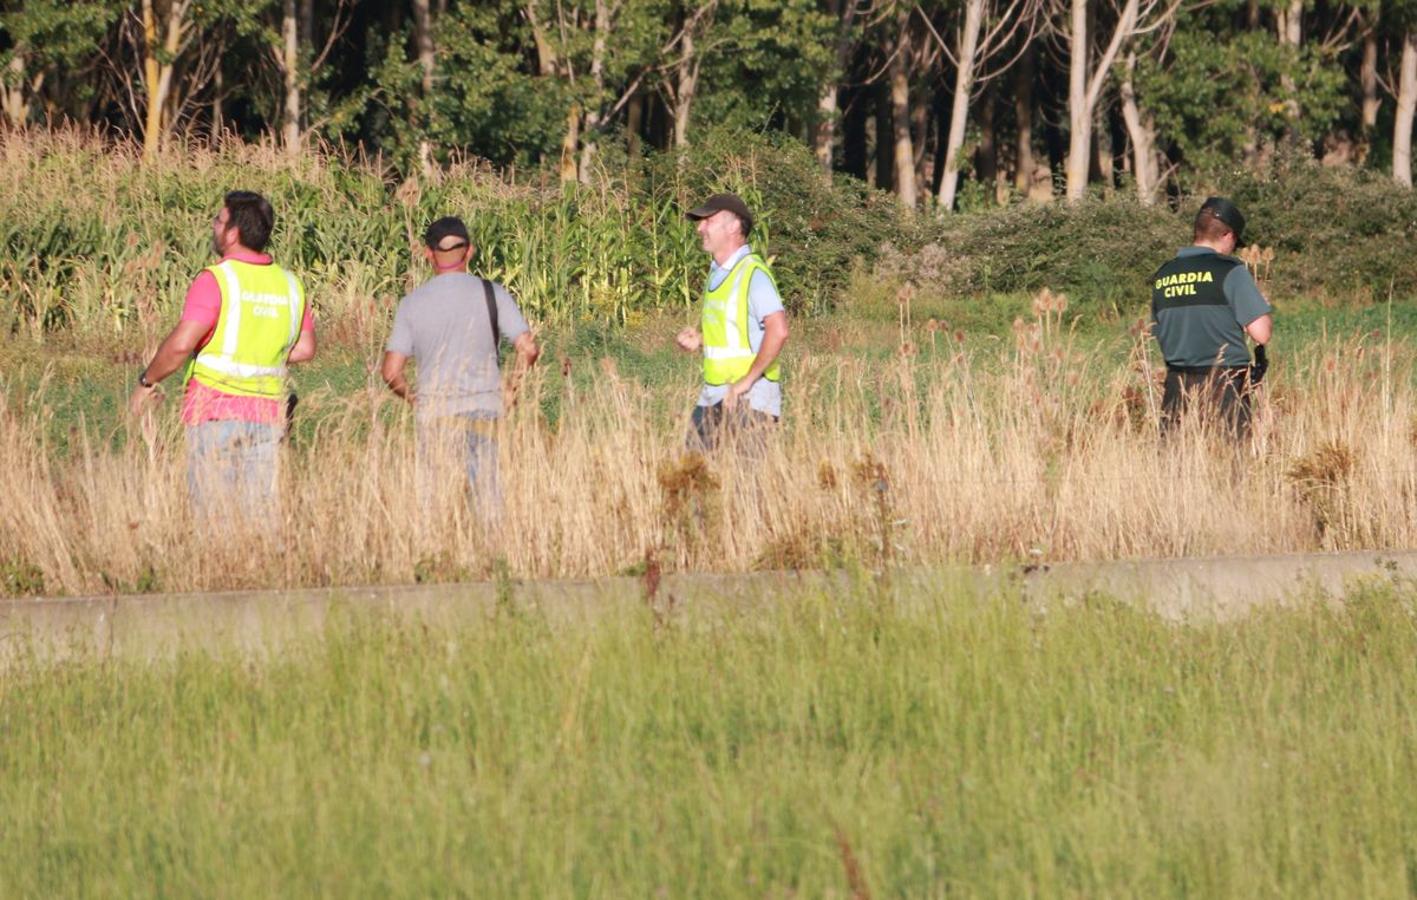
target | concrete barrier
[{"x": 262, "y": 621}]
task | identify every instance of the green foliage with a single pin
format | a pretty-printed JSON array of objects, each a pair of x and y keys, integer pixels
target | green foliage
[
  {"x": 814, "y": 229},
  {"x": 1338, "y": 234},
  {"x": 1217, "y": 96},
  {"x": 769, "y": 61},
  {"x": 20, "y": 578},
  {"x": 1099, "y": 252},
  {"x": 610, "y": 251}
]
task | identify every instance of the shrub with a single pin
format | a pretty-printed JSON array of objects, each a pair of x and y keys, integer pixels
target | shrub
[{"x": 1338, "y": 234}]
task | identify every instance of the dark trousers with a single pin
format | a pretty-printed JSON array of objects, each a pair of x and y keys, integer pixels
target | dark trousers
[
  {"x": 716, "y": 426},
  {"x": 1219, "y": 394}
]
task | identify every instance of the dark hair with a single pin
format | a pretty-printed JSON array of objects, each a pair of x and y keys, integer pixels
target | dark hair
[
  {"x": 1208, "y": 226},
  {"x": 252, "y": 217}
]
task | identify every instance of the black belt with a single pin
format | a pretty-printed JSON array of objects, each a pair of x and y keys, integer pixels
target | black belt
[{"x": 1203, "y": 370}]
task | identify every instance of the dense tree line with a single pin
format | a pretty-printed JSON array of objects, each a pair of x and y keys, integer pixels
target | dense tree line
[{"x": 944, "y": 102}]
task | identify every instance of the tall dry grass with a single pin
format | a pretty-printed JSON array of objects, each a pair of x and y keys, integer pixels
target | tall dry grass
[{"x": 1038, "y": 452}]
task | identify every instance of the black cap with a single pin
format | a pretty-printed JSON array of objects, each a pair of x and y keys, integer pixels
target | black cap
[
  {"x": 719, "y": 202},
  {"x": 1229, "y": 214},
  {"x": 445, "y": 227}
]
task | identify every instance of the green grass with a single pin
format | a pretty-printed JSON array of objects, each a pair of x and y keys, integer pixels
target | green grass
[{"x": 909, "y": 746}]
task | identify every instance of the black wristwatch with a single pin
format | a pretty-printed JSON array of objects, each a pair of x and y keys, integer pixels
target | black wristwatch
[{"x": 143, "y": 379}]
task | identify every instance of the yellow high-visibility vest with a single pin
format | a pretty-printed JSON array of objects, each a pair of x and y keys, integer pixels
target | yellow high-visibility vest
[
  {"x": 728, "y": 355},
  {"x": 261, "y": 311}
]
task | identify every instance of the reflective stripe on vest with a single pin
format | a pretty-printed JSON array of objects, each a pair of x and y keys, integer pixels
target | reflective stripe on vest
[
  {"x": 728, "y": 352},
  {"x": 261, "y": 311}
]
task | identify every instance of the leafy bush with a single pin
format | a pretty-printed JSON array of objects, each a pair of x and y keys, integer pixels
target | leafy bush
[
  {"x": 1338, "y": 234},
  {"x": 1098, "y": 252},
  {"x": 815, "y": 228}
]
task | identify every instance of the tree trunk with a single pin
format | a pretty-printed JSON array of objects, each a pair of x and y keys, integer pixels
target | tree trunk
[
  {"x": 17, "y": 111},
  {"x": 597, "y": 74},
  {"x": 1289, "y": 22},
  {"x": 634, "y": 121},
  {"x": 855, "y": 119},
  {"x": 1079, "y": 117},
  {"x": 1406, "y": 108},
  {"x": 218, "y": 97},
  {"x": 423, "y": 40},
  {"x": 824, "y": 137},
  {"x": 1085, "y": 88},
  {"x": 290, "y": 62},
  {"x": 158, "y": 64},
  {"x": 684, "y": 91},
  {"x": 965, "y": 50},
  {"x": 987, "y": 155},
  {"x": 904, "y": 155},
  {"x": 1141, "y": 131},
  {"x": 569, "y": 143},
  {"x": 1368, "y": 78},
  {"x": 156, "y": 97},
  {"x": 828, "y": 109},
  {"x": 1103, "y": 164},
  {"x": 880, "y": 138},
  {"x": 1023, "y": 117},
  {"x": 921, "y": 136}
]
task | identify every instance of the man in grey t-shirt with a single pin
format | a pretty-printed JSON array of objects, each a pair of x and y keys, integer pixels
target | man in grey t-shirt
[{"x": 452, "y": 325}]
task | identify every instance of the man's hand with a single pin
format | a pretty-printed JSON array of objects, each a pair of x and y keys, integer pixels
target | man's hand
[
  {"x": 689, "y": 340},
  {"x": 737, "y": 389},
  {"x": 142, "y": 399}
]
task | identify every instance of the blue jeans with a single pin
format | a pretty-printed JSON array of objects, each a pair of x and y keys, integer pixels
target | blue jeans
[
  {"x": 233, "y": 470},
  {"x": 455, "y": 454}
]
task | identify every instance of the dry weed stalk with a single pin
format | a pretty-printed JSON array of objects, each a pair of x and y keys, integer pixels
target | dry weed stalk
[{"x": 985, "y": 462}]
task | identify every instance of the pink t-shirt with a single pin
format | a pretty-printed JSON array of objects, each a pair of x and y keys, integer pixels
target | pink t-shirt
[{"x": 203, "y": 403}]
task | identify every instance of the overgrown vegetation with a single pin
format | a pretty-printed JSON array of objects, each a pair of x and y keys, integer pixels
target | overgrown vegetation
[
  {"x": 1338, "y": 235},
  {"x": 94, "y": 242},
  {"x": 882, "y": 742},
  {"x": 904, "y": 442}
]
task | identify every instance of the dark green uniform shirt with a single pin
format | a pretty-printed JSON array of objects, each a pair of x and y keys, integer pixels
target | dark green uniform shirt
[{"x": 1200, "y": 304}]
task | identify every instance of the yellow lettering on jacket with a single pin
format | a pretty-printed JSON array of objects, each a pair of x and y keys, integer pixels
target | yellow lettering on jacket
[{"x": 1183, "y": 278}]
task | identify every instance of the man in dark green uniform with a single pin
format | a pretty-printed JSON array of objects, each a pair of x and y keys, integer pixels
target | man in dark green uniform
[{"x": 1204, "y": 304}]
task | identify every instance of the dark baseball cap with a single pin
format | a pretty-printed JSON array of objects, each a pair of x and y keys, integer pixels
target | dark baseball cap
[
  {"x": 720, "y": 202},
  {"x": 448, "y": 226},
  {"x": 1229, "y": 214}
]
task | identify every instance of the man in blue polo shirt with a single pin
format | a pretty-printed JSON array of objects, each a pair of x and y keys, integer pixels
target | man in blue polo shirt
[
  {"x": 742, "y": 329},
  {"x": 1204, "y": 305}
]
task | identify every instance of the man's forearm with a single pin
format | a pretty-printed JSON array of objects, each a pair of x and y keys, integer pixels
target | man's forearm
[
  {"x": 168, "y": 359},
  {"x": 767, "y": 355}
]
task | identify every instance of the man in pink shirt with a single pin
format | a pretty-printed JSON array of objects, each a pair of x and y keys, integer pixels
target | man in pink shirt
[{"x": 243, "y": 322}]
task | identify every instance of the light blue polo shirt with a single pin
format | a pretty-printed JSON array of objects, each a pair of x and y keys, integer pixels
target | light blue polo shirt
[{"x": 763, "y": 300}]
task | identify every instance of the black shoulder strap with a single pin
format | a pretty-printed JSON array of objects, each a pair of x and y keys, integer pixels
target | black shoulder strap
[{"x": 492, "y": 313}]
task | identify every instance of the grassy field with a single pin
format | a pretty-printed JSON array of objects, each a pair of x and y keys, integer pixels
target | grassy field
[
  {"x": 878, "y": 741},
  {"x": 863, "y": 744}
]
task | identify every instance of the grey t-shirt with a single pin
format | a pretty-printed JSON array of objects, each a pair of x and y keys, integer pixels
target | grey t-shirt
[{"x": 444, "y": 327}]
